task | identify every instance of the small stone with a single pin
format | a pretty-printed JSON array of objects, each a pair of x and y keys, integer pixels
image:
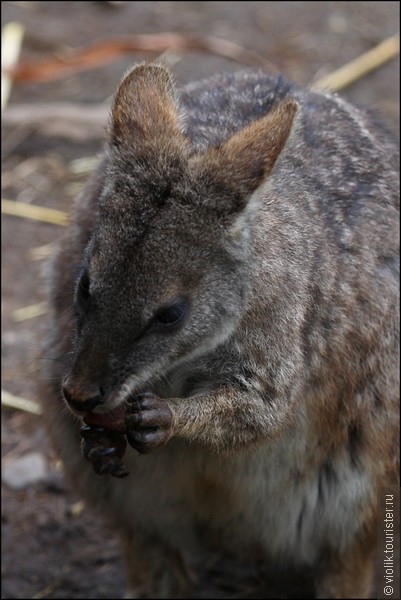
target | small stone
[{"x": 25, "y": 471}]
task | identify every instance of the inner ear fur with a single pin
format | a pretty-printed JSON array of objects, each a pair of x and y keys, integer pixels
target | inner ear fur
[
  {"x": 247, "y": 158},
  {"x": 145, "y": 110}
]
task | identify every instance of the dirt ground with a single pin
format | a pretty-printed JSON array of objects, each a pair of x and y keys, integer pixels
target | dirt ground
[{"x": 52, "y": 548}]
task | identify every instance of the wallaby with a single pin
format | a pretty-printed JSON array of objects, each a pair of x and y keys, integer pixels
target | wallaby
[{"x": 225, "y": 299}]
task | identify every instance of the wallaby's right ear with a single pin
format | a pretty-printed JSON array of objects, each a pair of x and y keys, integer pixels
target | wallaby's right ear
[
  {"x": 242, "y": 163},
  {"x": 145, "y": 110}
]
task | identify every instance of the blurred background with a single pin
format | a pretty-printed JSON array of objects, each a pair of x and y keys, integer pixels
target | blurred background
[{"x": 53, "y": 125}]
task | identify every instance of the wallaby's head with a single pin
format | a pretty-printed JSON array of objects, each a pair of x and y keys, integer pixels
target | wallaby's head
[{"x": 165, "y": 273}]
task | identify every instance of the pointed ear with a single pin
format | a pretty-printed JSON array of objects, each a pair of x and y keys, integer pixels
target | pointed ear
[
  {"x": 245, "y": 160},
  {"x": 252, "y": 152},
  {"x": 145, "y": 110}
]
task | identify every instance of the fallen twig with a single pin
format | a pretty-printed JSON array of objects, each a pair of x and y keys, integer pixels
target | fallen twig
[
  {"x": 84, "y": 165},
  {"x": 360, "y": 66},
  {"x": 11, "y": 401},
  {"x": 11, "y": 42},
  {"x": 41, "y": 252},
  {"x": 29, "y": 312},
  {"x": 31, "y": 211},
  {"x": 99, "y": 54},
  {"x": 75, "y": 121}
]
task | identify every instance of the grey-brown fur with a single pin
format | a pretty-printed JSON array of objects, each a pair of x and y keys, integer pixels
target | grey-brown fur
[{"x": 278, "y": 395}]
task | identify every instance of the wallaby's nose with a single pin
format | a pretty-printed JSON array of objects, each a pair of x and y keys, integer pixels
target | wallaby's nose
[{"x": 83, "y": 400}]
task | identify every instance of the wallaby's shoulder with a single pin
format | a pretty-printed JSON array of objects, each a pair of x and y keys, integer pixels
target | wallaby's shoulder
[{"x": 218, "y": 106}]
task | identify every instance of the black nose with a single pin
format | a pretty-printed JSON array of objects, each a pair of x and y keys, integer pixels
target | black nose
[{"x": 82, "y": 400}]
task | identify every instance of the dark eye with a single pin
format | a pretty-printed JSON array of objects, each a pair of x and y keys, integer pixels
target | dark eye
[
  {"x": 83, "y": 294},
  {"x": 172, "y": 314}
]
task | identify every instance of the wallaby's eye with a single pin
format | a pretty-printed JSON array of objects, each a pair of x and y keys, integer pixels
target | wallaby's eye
[
  {"x": 173, "y": 314},
  {"x": 83, "y": 287}
]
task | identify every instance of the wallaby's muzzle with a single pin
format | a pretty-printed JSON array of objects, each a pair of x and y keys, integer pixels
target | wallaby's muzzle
[{"x": 81, "y": 397}]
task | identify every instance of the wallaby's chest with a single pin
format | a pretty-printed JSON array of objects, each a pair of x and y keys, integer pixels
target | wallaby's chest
[{"x": 266, "y": 499}]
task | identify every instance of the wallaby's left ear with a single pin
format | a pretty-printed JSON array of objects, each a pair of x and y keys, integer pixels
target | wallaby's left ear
[
  {"x": 246, "y": 159},
  {"x": 145, "y": 111}
]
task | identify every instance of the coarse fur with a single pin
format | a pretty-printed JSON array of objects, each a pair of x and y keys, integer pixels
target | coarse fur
[{"x": 273, "y": 211}]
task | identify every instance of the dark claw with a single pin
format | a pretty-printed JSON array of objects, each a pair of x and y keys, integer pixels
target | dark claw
[
  {"x": 138, "y": 444},
  {"x": 102, "y": 468},
  {"x": 110, "y": 467},
  {"x": 90, "y": 431},
  {"x": 133, "y": 419},
  {"x": 139, "y": 396},
  {"x": 99, "y": 453},
  {"x": 121, "y": 471}
]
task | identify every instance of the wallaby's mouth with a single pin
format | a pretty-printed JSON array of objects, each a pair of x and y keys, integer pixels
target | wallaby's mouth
[{"x": 114, "y": 420}]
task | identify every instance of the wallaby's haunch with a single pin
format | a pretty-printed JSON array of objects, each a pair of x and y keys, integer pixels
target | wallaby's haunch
[{"x": 226, "y": 300}]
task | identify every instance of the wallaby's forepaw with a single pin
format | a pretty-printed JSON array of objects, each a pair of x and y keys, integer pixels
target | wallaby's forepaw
[
  {"x": 149, "y": 422},
  {"x": 104, "y": 449}
]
